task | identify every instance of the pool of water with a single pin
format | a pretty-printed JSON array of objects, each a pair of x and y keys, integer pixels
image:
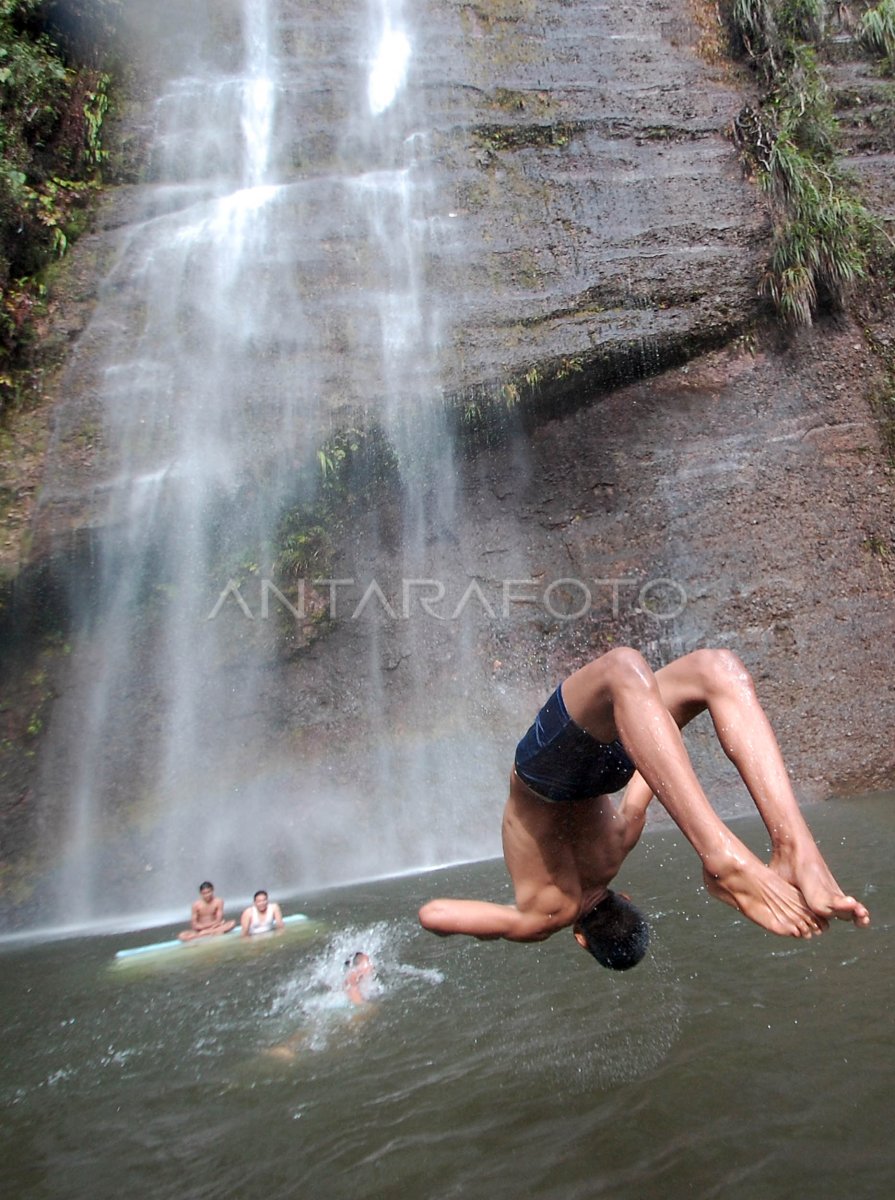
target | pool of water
[{"x": 730, "y": 1063}]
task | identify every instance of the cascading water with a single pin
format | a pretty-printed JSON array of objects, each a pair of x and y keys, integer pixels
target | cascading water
[{"x": 262, "y": 254}]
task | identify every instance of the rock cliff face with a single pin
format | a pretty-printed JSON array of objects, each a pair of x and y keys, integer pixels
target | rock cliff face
[
  {"x": 588, "y": 218},
  {"x": 605, "y": 219},
  {"x": 678, "y": 481}
]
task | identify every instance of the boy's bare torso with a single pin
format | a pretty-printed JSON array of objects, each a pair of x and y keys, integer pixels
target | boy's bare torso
[
  {"x": 562, "y": 857},
  {"x": 208, "y": 913}
]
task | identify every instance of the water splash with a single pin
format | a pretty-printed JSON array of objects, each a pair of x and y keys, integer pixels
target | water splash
[{"x": 314, "y": 1000}]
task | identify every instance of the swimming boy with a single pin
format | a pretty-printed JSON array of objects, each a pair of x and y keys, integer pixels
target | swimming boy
[
  {"x": 358, "y": 978},
  {"x": 616, "y": 722}
]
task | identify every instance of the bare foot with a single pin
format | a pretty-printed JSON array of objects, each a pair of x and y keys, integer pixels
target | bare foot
[
  {"x": 823, "y": 895},
  {"x": 765, "y": 898}
]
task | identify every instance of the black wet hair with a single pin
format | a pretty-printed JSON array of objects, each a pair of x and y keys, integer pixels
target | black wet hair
[
  {"x": 615, "y": 932},
  {"x": 261, "y": 892},
  {"x": 205, "y": 884}
]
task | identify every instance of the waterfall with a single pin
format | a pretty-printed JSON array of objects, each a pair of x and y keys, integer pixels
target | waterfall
[{"x": 271, "y": 280}]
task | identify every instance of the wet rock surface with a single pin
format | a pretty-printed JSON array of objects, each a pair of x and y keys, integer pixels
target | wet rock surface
[{"x": 601, "y": 203}]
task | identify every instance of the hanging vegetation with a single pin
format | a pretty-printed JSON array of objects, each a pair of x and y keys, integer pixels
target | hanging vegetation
[
  {"x": 52, "y": 111},
  {"x": 821, "y": 228},
  {"x": 358, "y": 469},
  {"x": 877, "y": 31}
]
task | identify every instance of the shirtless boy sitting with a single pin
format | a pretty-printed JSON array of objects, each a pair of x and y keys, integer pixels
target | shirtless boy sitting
[
  {"x": 206, "y": 916},
  {"x": 616, "y": 722}
]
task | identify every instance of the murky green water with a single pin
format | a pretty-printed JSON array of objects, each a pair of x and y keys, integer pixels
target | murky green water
[{"x": 729, "y": 1064}]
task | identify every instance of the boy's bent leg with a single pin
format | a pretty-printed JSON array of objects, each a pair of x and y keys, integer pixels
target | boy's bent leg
[
  {"x": 717, "y": 680},
  {"x": 618, "y": 696}
]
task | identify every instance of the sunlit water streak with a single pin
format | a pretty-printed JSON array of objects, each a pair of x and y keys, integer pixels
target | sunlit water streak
[{"x": 389, "y": 69}]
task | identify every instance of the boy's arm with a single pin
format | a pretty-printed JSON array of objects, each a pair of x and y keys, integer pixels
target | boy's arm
[
  {"x": 635, "y": 801},
  {"x": 482, "y": 919}
]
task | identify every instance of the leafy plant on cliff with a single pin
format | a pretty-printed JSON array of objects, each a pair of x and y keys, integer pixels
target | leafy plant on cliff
[
  {"x": 767, "y": 30},
  {"x": 755, "y": 27},
  {"x": 51, "y": 120},
  {"x": 877, "y": 30},
  {"x": 357, "y": 468},
  {"x": 817, "y": 251},
  {"x": 821, "y": 229}
]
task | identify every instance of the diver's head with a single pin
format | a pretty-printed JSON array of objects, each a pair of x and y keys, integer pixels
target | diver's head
[
  {"x": 614, "y": 931},
  {"x": 360, "y": 960}
]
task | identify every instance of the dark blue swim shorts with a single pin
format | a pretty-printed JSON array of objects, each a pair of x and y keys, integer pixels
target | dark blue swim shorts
[{"x": 561, "y": 761}]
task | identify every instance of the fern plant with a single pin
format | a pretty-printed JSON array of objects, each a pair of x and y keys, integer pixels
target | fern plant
[
  {"x": 877, "y": 30},
  {"x": 821, "y": 228}
]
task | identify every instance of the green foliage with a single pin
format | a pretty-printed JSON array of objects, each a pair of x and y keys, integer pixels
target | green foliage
[
  {"x": 803, "y": 108},
  {"x": 769, "y": 32},
  {"x": 879, "y": 546},
  {"x": 820, "y": 239},
  {"x": 569, "y": 366},
  {"x": 802, "y": 19},
  {"x": 494, "y": 138},
  {"x": 304, "y": 547},
  {"x": 877, "y": 30},
  {"x": 817, "y": 253},
  {"x": 358, "y": 467},
  {"x": 95, "y": 107},
  {"x": 755, "y": 27},
  {"x": 33, "y": 86},
  {"x": 821, "y": 230},
  {"x": 52, "y": 112}
]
